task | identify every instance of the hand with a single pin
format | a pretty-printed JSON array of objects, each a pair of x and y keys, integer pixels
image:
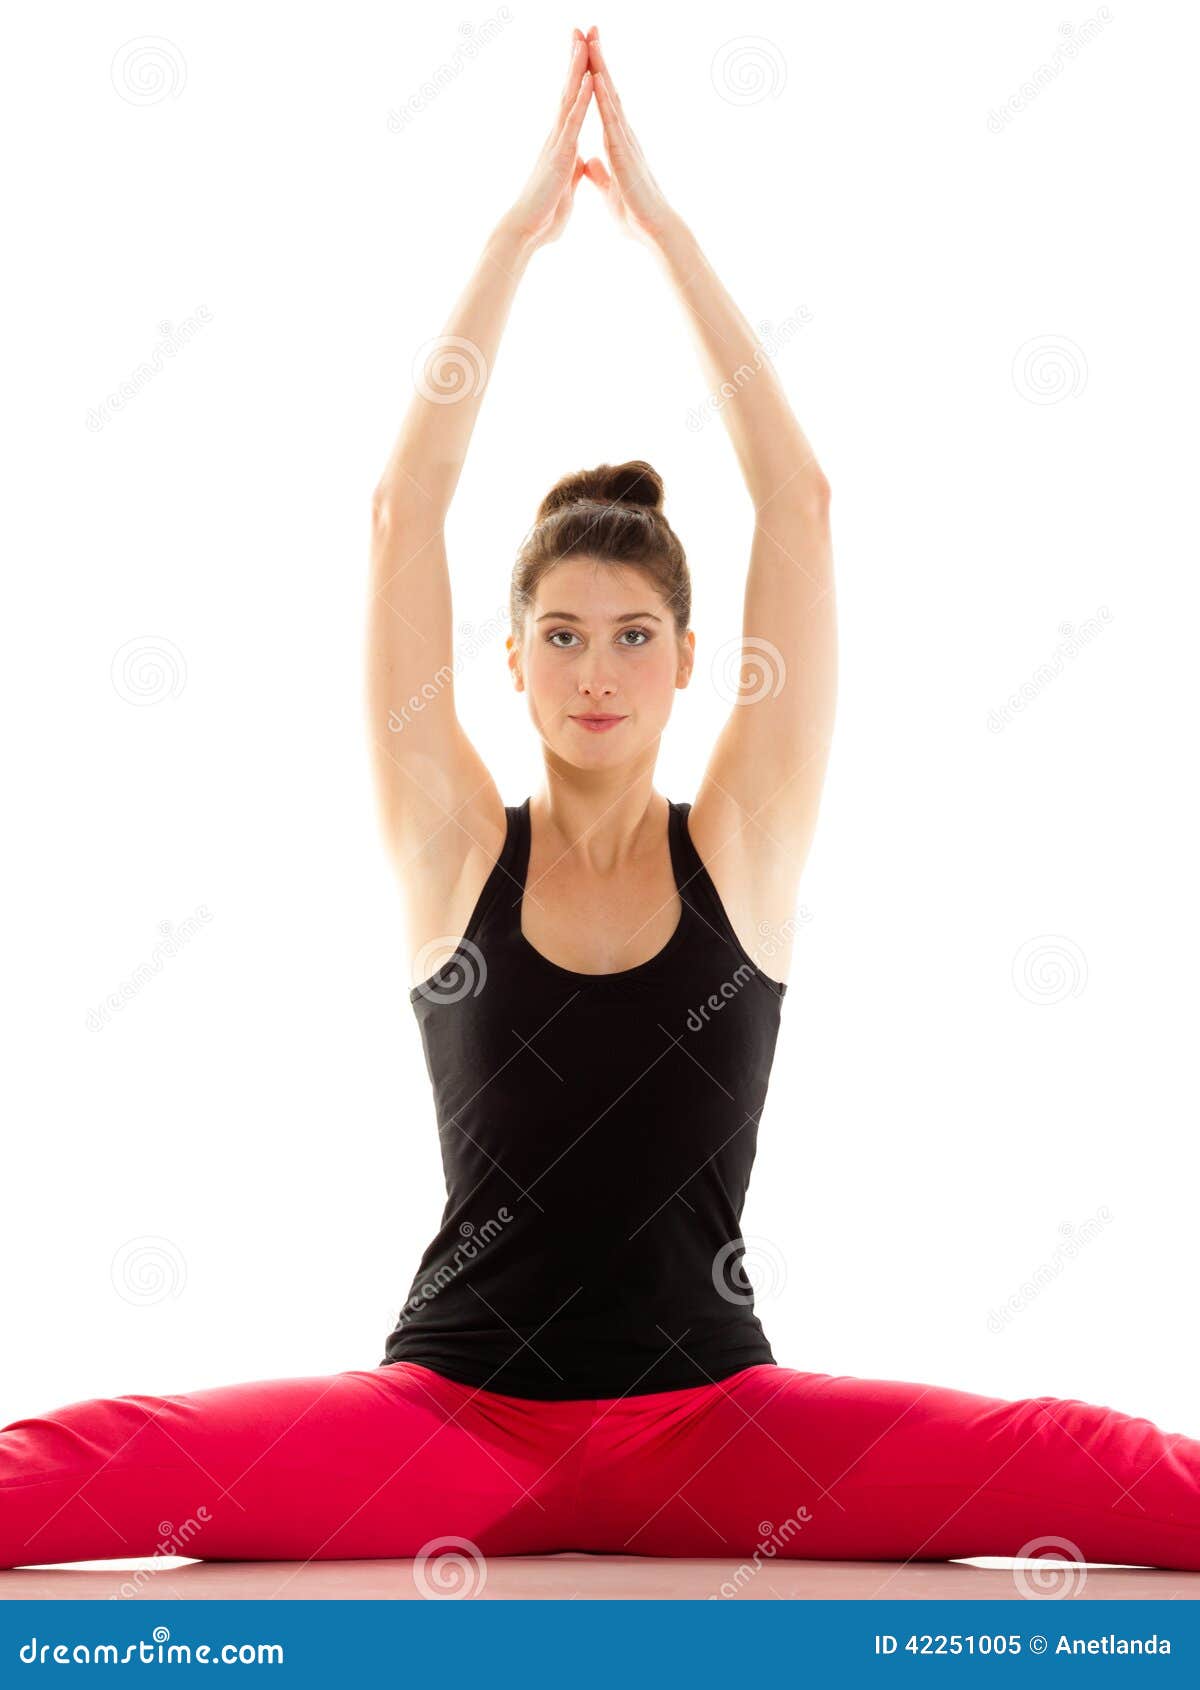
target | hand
[
  {"x": 632, "y": 194},
  {"x": 541, "y": 212}
]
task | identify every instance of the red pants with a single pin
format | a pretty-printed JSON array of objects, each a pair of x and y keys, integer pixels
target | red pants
[{"x": 392, "y": 1461}]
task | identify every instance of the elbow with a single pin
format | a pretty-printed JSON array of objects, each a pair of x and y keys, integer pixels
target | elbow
[
  {"x": 383, "y": 505},
  {"x": 803, "y": 491},
  {"x": 817, "y": 490}
]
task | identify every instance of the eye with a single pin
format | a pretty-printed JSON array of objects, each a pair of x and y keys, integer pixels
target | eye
[
  {"x": 552, "y": 637},
  {"x": 645, "y": 636}
]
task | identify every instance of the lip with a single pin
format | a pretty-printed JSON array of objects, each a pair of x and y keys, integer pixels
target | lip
[{"x": 597, "y": 723}]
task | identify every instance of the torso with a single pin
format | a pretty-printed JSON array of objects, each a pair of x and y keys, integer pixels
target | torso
[{"x": 597, "y": 1130}]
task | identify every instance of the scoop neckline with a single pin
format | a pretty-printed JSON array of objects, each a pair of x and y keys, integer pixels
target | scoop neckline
[{"x": 672, "y": 944}]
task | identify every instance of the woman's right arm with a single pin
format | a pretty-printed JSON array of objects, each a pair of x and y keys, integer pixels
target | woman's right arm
[
  {"x": 429, "y": 778},
  {"x": 425, "y": 766}
]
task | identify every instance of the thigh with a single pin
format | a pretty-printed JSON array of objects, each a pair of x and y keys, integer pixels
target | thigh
[
  {"x": 375, "y": 1462},
  {"x": 783, "y": 1463}
]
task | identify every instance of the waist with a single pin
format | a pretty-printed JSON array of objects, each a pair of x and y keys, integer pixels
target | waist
[{"x": 584, "y": 1358}]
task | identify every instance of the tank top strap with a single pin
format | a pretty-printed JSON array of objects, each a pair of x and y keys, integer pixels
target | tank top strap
[
  {"x": 691, "y": 877},
  {"x": 698, "y": 891},
  {"x": 499, "y": 902},
  {"x": 514, "y": 862}
]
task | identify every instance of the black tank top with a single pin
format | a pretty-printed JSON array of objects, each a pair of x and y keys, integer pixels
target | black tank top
[{"x": 597, "y": 1136}]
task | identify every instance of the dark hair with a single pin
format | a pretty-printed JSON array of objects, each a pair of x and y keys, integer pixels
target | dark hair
[{"x": 613, "y": 514}]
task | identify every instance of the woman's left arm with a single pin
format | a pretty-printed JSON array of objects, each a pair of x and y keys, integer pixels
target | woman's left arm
[
  {"x": 769, "y": 760},
  {"x": 759, "y": 798}
]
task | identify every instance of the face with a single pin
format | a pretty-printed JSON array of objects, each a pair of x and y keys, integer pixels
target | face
[{"x": 600, "y": 642}]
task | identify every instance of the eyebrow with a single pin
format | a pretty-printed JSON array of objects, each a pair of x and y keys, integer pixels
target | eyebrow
[{"x": 629, "y": 616}]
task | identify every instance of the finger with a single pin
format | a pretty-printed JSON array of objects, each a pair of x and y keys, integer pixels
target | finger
[
  {"x": 576, "y": 66},
  {"x": 574, "y": 120},
  {"x": 598, "y": 171},
  {"x": 598, "y": 63},
  {"x": 614, "y": 130}
]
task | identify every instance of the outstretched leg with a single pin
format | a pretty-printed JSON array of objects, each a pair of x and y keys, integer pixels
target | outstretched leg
[
  {"x": 377, "y": 1462},
  {"x": 820, "y": 1466}
]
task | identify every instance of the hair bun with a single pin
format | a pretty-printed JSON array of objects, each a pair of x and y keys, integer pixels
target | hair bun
[{"x": 633, "y": 483}]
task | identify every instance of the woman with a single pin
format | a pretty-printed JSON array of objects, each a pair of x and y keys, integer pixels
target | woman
[{"x": 578, "y": 1365}]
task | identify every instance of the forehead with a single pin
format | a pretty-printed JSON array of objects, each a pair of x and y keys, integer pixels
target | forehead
[{"x": 596, "y": 587}]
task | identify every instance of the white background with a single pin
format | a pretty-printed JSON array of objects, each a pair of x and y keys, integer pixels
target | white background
[{"x": 259, "y": 1110}]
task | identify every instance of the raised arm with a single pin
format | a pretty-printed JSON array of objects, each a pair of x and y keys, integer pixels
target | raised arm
[
  {"x": 760, "y": 794},
  {"x": 429, "y": 778}
]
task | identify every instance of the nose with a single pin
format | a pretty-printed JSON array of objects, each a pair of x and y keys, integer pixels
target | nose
[{"x": 597, "y": 685}]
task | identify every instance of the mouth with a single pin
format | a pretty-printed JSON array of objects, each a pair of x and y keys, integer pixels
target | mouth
[{"x": 597, "y": 723}]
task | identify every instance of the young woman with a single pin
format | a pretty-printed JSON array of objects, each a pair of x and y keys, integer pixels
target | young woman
[{"x": 578, "y": 1365}]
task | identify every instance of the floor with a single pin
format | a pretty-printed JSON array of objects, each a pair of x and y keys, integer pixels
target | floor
[{"x": 599, "y": 1577}]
